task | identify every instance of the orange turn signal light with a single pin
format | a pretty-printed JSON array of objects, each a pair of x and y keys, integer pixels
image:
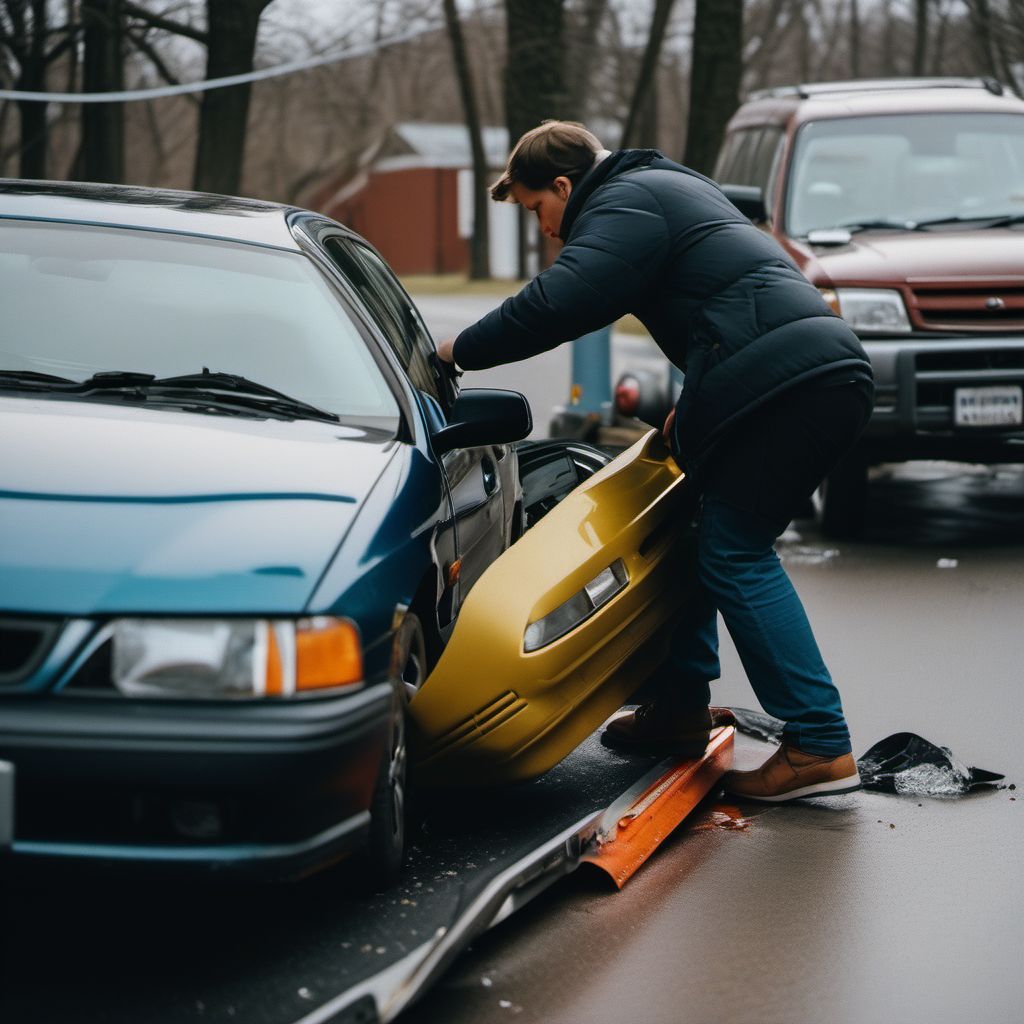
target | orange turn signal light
[
  {"x": 327, "y": 653},
  {"x": 311, "y": 654}
]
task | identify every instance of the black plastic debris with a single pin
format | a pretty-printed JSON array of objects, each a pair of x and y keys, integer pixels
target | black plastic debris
[
  {"x": 909, "y": 764},
  {"x": 903, "y": 763}
]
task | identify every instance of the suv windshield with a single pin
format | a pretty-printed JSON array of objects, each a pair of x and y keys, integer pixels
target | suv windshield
[
  {"x": 79, "y": 300},
  {"x": 905, "y": 169}
]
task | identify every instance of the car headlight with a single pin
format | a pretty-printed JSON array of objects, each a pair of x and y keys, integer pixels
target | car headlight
[
  {"x": 567, "y": 616},
  {"x": 222, "y": 658},
  {"x": 870, "y": 310}
]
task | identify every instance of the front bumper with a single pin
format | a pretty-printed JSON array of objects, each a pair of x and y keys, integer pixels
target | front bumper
[
  {"x": 915, "y": 379},
  {"x": 276, "y": 788}
]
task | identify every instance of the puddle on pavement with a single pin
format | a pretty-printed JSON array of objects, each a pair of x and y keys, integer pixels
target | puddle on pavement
[{"x": 904, "y": 763}]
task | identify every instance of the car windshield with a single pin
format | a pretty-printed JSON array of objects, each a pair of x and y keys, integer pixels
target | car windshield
[
  {"x": 906, "y": 169},
  {"x": 79, "y": 300}
]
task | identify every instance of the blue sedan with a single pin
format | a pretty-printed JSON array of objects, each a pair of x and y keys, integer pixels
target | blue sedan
[{"x": 241, "y": 504}]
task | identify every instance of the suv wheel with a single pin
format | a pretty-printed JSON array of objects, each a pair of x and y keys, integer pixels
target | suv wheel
[{"x": 844, "y": 499}]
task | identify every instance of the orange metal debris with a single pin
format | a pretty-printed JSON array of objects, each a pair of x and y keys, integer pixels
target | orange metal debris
[{"x": 640, "y": 821}]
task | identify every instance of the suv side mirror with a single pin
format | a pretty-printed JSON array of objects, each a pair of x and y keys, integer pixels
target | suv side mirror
[
  {"x": 483, "y": 416},
  {"x": 749, "y": 200}
]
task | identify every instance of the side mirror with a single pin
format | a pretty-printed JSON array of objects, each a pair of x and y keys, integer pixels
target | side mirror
[
  {"x": 483, "y": 416},
  {"x": 749, "y": 200}
]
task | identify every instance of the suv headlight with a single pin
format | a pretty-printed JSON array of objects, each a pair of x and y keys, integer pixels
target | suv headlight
[
  {"x": 222, "y": 658},
  {"x": 870, "y": 310}
]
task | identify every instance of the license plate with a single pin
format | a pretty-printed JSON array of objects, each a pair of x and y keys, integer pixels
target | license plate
[{"x": 988, "y": 407}]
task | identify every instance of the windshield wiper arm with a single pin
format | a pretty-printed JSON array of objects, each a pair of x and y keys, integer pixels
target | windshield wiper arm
[
  {"x": 240, "y": 389},
  {"x": 870, "y": 225}
]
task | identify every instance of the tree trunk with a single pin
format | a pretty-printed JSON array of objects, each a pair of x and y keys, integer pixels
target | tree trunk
[
  {"x": 534, "y": 82},
  {"x": 479, "y": 246},
  {"x": 854, "y": 39},
  {"x": 921, "y": 10},
  {"x": 231, "y": 46},
  {"x": 31, "y": 56},
  {"x": 714, "y": 78},
  {"x": 583, "y": 52},
  {"x": 102, "y": 151},
  {"x": 646, "y": 77}
]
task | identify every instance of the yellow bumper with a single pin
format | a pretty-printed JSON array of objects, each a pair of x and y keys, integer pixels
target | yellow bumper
[{"x": 492, "y": 712}]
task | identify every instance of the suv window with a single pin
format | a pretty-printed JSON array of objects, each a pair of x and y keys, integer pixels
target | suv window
[
  {"x": 748, "y": 157},
  {"x": 905, "y": 168},
  {"x": 392, "y": 310}
]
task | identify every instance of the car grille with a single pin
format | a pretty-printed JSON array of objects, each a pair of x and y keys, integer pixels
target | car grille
[
  {"x": 24, "y": 643},
  {"x": 974, "y": 307}
]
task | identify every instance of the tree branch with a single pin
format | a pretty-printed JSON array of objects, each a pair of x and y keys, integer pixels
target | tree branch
[{"x": 159, "y": 21}]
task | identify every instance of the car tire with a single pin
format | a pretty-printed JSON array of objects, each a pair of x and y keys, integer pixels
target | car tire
[
  {"x": 385, "y": 847},
  {"x": 844, "y": 499}
]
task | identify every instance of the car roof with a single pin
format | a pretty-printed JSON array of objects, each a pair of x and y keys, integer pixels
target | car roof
[
  {"x": 150, "y": 209},
  {"x": 870, "y": 98}
]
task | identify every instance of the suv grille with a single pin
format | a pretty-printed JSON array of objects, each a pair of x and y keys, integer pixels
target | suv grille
[
  {"x": 23, "y": 645},
  {"x": 992, "y": 307}
]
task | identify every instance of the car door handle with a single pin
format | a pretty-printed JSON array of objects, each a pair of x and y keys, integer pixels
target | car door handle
[{"x": 490, "y": 475}]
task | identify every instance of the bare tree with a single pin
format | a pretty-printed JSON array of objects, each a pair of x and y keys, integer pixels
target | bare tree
[
  {"x": 921, "y": 11},
  {"x": 101, "y": 156},
  {"x": 28, "y": 39},
  {"x": 648, "y": 69},
  {"x": 479, "y": 249},
  {"x": 714, "y": 78},
  {"x": 534, "y": 80}
]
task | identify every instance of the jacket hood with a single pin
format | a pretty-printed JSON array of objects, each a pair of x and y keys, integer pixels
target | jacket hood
[
  {"x": 616, "y": 163},
  {"x": 106, "y": 509}
]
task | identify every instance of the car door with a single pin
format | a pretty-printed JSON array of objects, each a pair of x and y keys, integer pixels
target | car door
[{"x": 480, "y": 479}]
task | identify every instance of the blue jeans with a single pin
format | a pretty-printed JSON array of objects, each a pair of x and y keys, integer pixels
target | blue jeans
[{"x": 758, "y": 480}]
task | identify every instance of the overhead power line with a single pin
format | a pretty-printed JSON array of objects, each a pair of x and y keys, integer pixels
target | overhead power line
[{"x": 134, "y": 95}]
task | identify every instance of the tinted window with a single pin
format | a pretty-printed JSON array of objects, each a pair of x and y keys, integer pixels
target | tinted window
[
  {"x": 906, "y": 167},
  {"x": 390, "y": 308},
  {"x": 76, "y": 300}
]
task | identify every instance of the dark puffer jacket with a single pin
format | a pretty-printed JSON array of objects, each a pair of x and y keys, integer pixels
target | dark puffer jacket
[{"x": 644, "y": 235}]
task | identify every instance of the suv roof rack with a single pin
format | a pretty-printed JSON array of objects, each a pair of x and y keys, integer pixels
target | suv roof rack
[{"x": 810, "y": 89}]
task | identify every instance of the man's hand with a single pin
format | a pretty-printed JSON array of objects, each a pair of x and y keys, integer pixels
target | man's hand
[
  {"x": 445, "y": 350},
  {"x": 666, "y": 431}
]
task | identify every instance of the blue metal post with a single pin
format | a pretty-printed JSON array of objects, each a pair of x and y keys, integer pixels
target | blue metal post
[{"x": 592, "y": 371}]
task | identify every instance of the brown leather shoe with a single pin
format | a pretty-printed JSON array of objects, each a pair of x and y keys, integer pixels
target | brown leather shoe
[
  {"x": 650, "y": 730},
  {"x": 790, "y": 774}
]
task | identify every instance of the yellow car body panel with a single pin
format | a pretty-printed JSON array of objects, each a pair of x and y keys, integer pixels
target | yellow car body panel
[{"x": 491, "y": 712}]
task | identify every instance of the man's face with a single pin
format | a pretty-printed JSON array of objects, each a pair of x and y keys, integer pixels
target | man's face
[{"x": 547, "y": 203}]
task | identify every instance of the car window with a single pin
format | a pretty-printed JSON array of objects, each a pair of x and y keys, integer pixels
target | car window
[
  {"x": 78, "y": 300},
  {"x": 390, "y": 308},
  {"x": 764, "y": 156},
  {"x": 905, "y": 168}
]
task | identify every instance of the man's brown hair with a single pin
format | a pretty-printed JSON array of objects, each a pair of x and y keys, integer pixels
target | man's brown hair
[{"x": 551, "y": 150}]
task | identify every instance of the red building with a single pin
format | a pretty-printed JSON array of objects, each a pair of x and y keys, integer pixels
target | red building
[{"x": 413, "y": 200}]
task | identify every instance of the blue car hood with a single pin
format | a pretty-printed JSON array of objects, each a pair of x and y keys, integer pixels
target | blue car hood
[{"x": 113, "y": 509}]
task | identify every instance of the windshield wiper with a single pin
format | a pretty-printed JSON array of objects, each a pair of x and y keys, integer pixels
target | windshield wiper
[
  {"x": 222, "y": 388},
  {"x": 32, "y": 379},
  {"x": 997, "y": 220}
]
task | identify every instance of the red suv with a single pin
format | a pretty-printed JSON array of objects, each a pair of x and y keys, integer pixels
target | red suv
[{"x": 903, "y": 201}]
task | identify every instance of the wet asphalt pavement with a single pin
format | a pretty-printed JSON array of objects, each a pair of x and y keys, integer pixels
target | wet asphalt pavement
[{"x": 862, "y": 908}]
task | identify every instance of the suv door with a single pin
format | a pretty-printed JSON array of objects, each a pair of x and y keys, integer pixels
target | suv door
[{"x": 482, "y": 481}]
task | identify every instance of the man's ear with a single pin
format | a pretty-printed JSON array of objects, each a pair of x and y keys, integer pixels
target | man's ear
[{"x": 562, "y": 186}]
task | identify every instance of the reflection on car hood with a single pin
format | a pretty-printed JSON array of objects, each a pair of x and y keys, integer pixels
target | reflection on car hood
[
  {"x": 107, "y": 508},
  {"x": 895, "y": 257}
]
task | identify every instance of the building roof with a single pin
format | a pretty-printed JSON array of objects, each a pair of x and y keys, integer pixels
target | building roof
[{"x": 419, "y": 144}]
